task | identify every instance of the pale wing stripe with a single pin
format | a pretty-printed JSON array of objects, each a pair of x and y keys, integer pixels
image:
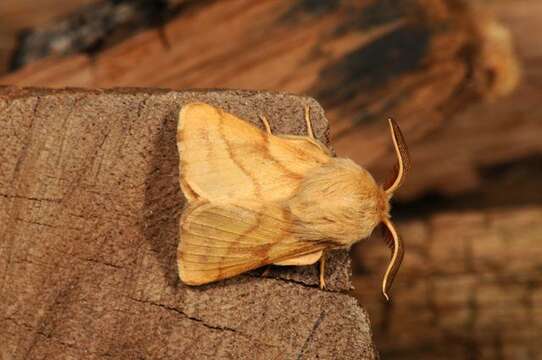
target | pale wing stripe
[
  {"x": 238, "y": 162},
  {"x": 224, "y": 256},
  {"x": 247, "y": 209},
  {"x": 206, "y": 245},
  {"x": 228, "y": 264},
  {"x": 263, "y": 241},
  {"x": 304, "y": 250}
]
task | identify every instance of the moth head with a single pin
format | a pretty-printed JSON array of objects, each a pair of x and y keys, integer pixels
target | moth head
[{"x": 390, "y": 234}]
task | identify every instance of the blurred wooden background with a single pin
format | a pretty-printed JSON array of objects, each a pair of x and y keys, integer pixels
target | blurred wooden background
[
  {"x": 462, "y": 78},
  {"x": 18, "y": 15}
]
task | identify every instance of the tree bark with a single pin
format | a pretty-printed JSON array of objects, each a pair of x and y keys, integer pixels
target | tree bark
[{"x": 89, "y": 213}]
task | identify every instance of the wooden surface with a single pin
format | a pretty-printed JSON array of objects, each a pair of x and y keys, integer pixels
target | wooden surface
[
  {"x": 92, "y": 28},
  {"x": 470, "y": 286},
  {"x": 21, "y": 15},
  {"x": 420, "y": 62},
  {"x": 89, "y": 212},
  {"x": 467, "y": 98},
  {"x": 476, "y": 147}
]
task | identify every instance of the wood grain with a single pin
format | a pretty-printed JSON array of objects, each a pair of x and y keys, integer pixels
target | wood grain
[
  {"x": 476, "y": 147},
  {"x": 470, "y": 286},
  {"x": 21, "y": 15},
  {"x": 420, "y": 62}
]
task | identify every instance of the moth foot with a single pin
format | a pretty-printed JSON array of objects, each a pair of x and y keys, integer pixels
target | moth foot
[
  {"x": 265, "y": 124},
  {"x": 322, "y": 282},
  {"x": 323, "y": 271},
  {"x": 308, "y": 122}
]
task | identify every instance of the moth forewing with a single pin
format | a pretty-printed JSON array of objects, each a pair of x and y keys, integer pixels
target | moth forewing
[{"x": 236, "y": 179}]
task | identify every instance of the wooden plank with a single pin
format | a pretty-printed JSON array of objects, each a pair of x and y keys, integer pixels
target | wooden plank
[{"x": 89, "y": 221}]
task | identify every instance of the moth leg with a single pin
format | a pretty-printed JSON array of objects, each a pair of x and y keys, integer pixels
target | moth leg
[
  {"x": 322, "y": 270},
  {"x": 265, "y": 124},
  {"x": 308, "y": 121}
]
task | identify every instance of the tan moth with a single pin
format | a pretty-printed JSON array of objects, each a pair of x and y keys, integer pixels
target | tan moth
[{"x": 255, "y": 198}]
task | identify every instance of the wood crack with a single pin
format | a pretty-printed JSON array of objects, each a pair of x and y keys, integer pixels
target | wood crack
[
  {"x": 31, "y": 198},
  {"x": 297, "y": 282},
  {"x": 185, "y": 315},
  {"x": 200, "y": 321},
  {"x": 311, "y": 335}
]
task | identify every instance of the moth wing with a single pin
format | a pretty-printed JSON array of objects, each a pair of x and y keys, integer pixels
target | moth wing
[
  {"x": 223, "y": 157},
  {"x": 221, "y": 241},
  {"x": 308, "y": 259}
]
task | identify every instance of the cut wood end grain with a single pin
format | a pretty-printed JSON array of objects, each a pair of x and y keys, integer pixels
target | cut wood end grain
[{"x": 89, "y": 212}]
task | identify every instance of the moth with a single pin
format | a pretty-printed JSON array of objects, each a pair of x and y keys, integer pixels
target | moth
[{"x": 255, "y": 198}]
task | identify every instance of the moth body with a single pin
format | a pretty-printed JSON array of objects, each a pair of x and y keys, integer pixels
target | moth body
[
  {"x": 339, "y": 202},
  {"x": 255, "y": 198}
]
